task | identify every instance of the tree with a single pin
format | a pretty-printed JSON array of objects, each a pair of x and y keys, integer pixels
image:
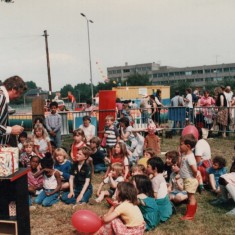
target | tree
[
  {"x": 31, "y": 85},
  {"x": 65, "y": 89},
  {"x": 82, "y": 92},
  {"x": 138, "y": 80},
  {"x": 181, "y": 86}
]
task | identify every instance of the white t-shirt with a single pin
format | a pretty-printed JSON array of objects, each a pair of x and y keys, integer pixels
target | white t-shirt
[
  {"x": 88, "y": 131},
  {"x": 189, "y": 104},
  {"x": 185, "y": 167},
  {"x": 159, "y": 186},
  {"x": 203, "y": 149}
]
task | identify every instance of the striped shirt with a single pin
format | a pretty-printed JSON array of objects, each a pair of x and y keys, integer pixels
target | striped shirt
[
  {"x": 4, "y": 100},
  {"x": 113, "y": 134}
]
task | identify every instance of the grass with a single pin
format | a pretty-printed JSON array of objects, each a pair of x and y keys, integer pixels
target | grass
[{"x": 209, "y": 220}]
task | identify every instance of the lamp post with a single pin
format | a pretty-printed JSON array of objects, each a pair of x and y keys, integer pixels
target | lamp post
[{"x": 88, "y": 33}]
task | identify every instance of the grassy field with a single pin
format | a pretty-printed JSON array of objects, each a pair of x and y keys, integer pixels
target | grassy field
[{"x": 209, "y": 220}]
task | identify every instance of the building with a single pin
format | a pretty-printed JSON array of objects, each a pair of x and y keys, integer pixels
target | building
[
  {"x": 166, "y": 75},
  {"x": 121, "y": 73}
]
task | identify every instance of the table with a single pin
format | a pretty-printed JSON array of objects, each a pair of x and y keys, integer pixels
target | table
[{"x": 15, "y": 188}]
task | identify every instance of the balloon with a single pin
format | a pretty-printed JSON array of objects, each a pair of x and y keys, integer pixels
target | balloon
[
  {"x": 190, "y": 129},
  {"x": 86, "y": 221}
]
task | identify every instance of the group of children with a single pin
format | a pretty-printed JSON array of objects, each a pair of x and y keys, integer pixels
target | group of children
[{"x": 142, "y": 187}]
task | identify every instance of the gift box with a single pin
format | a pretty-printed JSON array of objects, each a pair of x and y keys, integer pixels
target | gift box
[{"x": 9, "y": 160}]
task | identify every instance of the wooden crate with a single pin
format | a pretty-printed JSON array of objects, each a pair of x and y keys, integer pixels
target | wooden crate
[{"x": 8, "y": 227}]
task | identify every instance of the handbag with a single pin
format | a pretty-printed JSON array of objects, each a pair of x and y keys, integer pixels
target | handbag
[{"x": 103, "y": 142}]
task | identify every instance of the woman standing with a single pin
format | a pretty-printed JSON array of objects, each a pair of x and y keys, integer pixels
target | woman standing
[
  {"x": 207, "y": 101},
  {"x": 222, "y": 116}
]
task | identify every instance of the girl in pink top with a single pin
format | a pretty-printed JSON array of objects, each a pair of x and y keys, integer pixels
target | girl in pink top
[{"x": 34, "y": 184}]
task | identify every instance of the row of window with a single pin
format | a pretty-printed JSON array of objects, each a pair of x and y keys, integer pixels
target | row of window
[
  {"x": 193, "y": 72},
  {"x": 216, "y": 79},
  {"x": 138, "y": 69}
]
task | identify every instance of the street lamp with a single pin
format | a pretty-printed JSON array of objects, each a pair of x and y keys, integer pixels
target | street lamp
[{"x": 88, "y": 33}]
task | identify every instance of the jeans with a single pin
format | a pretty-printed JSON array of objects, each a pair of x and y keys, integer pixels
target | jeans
[
  {"x": 100, "y": 167},
  {"x": 144, "y": 116},
  {"x": 72, "y": 200},
  {"x": 45, "y": 200},
  {"x": 57, "y": 139}
]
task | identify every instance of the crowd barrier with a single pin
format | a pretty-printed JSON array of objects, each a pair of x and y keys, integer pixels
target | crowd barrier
[{"x": 170, "y": 118}]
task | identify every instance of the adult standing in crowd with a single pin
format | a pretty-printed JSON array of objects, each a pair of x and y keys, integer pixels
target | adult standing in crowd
[
  {"x": 154, "y": 113},
  {"x": 158, "y": 100},
  {"x": 12, "y": 88},
  {"x": 177, "y": 101},
  {"x": 188, "y": 100},
  {"x": 207, "y": 101},
  {"x": 72, "y": 99},
  {"x": 222, "y": 116}
]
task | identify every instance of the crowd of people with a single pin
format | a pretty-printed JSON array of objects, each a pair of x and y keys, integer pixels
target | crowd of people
[{"x": 143, "y": 188}]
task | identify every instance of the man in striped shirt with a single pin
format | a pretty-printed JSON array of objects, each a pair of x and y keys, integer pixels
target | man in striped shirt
[{"x": 12, "y": 88}]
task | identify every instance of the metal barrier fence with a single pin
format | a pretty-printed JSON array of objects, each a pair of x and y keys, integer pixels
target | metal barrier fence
[{"x": 169, "y": 118}]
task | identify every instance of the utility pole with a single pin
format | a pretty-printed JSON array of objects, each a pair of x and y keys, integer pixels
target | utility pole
[{"x": 48, "y": 63}]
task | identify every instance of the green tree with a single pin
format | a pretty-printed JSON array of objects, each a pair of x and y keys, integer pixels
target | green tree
[
  {"x": 138, "y": 80},
  {"x": 31, "y": 85},
  {"x": 181, "y": 87},
  {"x": 82, "y": 92},
  {"x": 65, "y": 89}
]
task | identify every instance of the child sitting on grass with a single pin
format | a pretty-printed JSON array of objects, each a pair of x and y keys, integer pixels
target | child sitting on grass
[
  {"x": 146, "y": 201},
  {"x": 148, "y": 153},
  {"x": 120, "y": 155},
  {"x": 176, "y": 185},
  {"x": 80, "y": 179},
  {"x": 126, "y": 218},
  {"x": 168, "y": 164},
  {"x": 218, "y": 169},
  {"x": 34, "y": 184},
  {"x": 114, "y": 177},
  {"x": 98, "y": 156},
  {"x": 28, "y": 152},
  {"x": 155, "y": 168},
  {"x": 51, "y": 182},
  {"x": 227, "y": 185},
  {"x": 63, "y": 166},
  {"x": 138, "y": 170},
  {"x": 152, "y": 140}
]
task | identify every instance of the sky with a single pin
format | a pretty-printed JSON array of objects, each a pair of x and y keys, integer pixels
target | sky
[{"x": 177, "y": 33}]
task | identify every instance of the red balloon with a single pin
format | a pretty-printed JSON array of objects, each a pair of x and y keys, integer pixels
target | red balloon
[
  {"x": 86, "y": 221},
  {"x": 190, "y": 129}
]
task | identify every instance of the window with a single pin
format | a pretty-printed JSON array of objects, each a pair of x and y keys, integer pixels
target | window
[
  {"x": 226, "y": 70},
  {"x": 207, "y": 71},
  {"x": 126, "y": 70},
  {"x": 188, "y": 72}
]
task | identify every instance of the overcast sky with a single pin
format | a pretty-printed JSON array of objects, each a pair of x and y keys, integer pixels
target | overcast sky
[{"x": 177, "y": 33}]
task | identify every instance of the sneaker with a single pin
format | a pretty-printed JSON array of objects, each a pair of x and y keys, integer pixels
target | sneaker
[
  {"x": 92, "y": 201},
  {"x": 232, "y": 212}
]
